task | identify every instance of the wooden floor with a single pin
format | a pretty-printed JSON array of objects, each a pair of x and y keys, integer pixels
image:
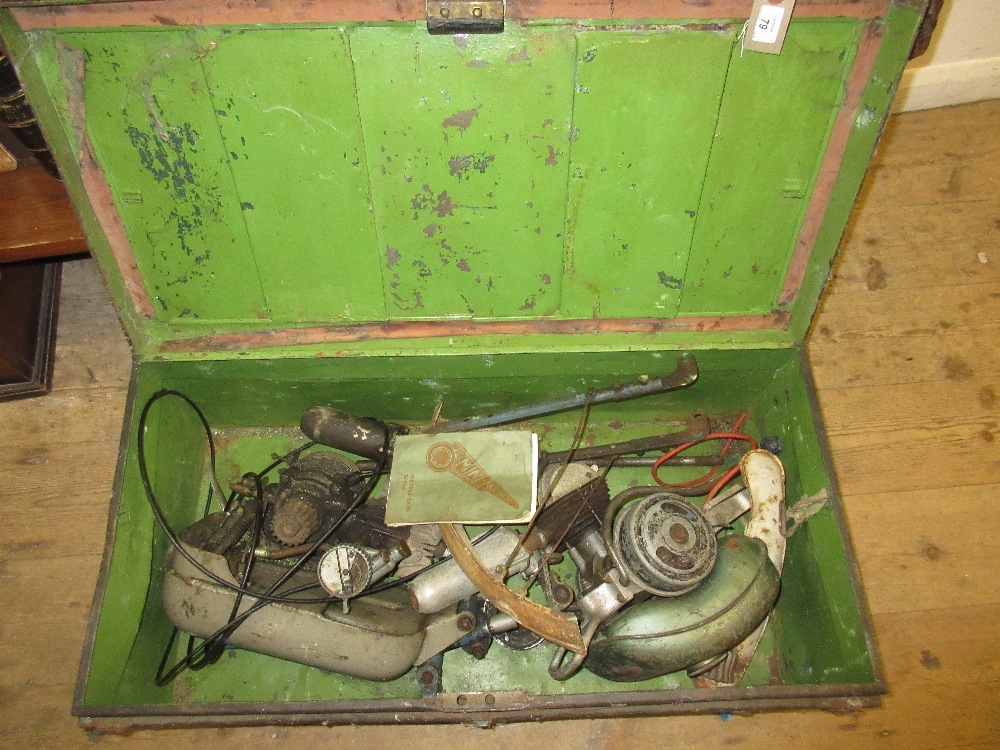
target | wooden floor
[{"x": 905, "y": 350}]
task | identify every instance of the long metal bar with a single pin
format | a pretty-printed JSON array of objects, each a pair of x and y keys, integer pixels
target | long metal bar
[{"x": 685, "y": 374}]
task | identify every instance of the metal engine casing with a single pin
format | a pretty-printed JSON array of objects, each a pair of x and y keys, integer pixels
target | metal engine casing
[{"x": 663, "y": 635}]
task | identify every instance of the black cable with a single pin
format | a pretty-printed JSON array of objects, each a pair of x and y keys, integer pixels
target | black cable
[
  {"x": 168, "y": 530},
  {"x": 213, "y": 646}
]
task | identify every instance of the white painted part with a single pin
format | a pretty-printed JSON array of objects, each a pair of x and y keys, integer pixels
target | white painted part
[
  {"x": 765, "y": 30},
  {"x": 963, "y": 62},
  {"x": 764, "y": 477}
]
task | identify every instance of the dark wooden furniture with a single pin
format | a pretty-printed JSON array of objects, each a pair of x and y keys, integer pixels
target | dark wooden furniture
[{"x": 36, "y": 224}]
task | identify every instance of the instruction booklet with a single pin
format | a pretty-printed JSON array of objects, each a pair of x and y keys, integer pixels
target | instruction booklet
[{"x": 481, "y": 477}]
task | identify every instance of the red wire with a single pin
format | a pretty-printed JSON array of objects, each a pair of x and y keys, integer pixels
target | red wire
[
  {"x": 729, "y": 437},
  {"x": 719, "y": 485},
  {"x": 711, "y": 473}
]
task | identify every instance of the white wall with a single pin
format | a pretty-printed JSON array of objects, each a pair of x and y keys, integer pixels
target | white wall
[{"x": 963, "y": 62}]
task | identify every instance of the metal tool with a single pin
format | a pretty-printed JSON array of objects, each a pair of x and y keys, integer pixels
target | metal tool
[{"x": 684, "y": 375}]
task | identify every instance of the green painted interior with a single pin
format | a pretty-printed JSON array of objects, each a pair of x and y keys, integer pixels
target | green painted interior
[
  {"x": 775, "y": 120},
  {"x": 254, "y": 406},
  {"x": 376, "y": 173}
]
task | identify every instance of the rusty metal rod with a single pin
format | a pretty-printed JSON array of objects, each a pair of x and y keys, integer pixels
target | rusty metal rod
[{"x": 685, "y": 374}]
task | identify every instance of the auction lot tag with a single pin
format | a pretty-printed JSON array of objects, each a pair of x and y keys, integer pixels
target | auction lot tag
[{"x": 765, "y": 31}]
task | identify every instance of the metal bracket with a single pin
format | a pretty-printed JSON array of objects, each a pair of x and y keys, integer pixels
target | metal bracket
[
  {"x": 461, "y": 17},
  {"x": 470, "y": 702}
]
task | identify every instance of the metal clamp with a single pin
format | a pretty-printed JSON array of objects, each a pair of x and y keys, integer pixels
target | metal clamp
[{"x": 460, "y": 17}]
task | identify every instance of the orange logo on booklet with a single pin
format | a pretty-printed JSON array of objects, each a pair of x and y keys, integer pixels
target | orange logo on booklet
[{"x": 456, "y": 459}]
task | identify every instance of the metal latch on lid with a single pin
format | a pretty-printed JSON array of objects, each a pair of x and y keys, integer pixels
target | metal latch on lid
[{"x": 461, "y": 17}]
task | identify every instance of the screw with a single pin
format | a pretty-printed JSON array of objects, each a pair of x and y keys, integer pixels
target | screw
[
  {"x": 445, "y": 12},
  {"x": 477, "y": 12},
  {"x": 465, "y": 622}
]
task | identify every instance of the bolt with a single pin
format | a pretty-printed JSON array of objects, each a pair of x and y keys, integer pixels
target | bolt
[
  {"x": 490, "y": 699},
  {"x": 678, "y": 533},
  {"x": 427, "y": 676},
  {"x": 477, "y": 12},
  {"x": 465, "y": 622},
  {"x": 445, "y": 12}
]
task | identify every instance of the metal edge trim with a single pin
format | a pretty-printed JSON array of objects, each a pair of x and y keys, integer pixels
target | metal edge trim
[{"x": 608, "y": 709}]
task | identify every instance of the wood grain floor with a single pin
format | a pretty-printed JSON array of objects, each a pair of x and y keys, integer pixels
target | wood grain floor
[{"x": 905, "y": 349}]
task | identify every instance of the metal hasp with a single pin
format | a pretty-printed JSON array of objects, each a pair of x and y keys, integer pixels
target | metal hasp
[
  {"x": 684, "y": 375},
  {"x": 451, "y": 17}
]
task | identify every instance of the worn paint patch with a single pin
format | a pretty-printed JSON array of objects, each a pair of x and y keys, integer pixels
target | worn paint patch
[
  {"x": 440, "y": 204},
  {"x": 670, "y": 282},
  {"x": 163, "y": 154},
  {"x": 460, "y": 166},
  {"x": 392, "y": 256},
  {"x": 867, "y": 116},
  {"x": 409, "y": 305},
  {"x": 461, "y": 120},
  {"x": 519, "y": 56}
]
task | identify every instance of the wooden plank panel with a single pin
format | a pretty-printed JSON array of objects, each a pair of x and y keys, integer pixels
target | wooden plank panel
[
  {"x": 768, "y": 145},
  {"x": 155, "y": 134},
  {"x": 293, "y": 136},
  {"x": 932, "y": 561},
  {"x": 473, "y": 228},
  {"x": 643, "y": 119}
]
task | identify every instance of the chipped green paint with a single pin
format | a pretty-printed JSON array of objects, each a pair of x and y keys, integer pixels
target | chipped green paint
[
  {"x": 776, "y": 116},
  {"x": 643, "y": 121},
  {"x": 374, "y": 173},
  {"x": 469, "y": 185},
  {"x": 156, "y": 137},
  {"x": 292, "y": 133}
]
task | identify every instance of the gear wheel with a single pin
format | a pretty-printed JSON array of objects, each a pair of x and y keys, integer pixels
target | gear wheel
[{"x": 293, "y": 522}]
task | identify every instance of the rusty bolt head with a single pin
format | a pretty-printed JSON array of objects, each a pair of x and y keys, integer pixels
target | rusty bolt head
[
  {"x": 562, "y": 594},
  {"x": 466, "y": 622},
  {"x": 678, "y": 533},
  {"x": 427, "y": 676}
]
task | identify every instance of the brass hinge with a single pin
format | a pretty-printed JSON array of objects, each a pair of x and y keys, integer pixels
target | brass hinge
[{"x": 460, "y": 17}]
